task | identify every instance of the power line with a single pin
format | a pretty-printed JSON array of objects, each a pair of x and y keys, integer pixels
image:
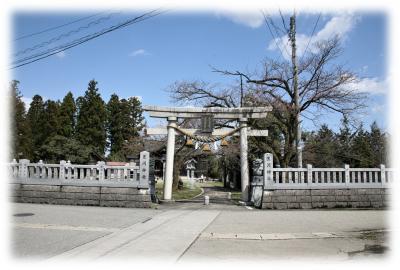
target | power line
[
  {"x": 75, "y": 31},
  {"x": 75, "y": 43},
  {"x": 273, "y": 36},
  {"x": 312, "y": 34},
  {"x": 56, "y": 27},
  {"x": 80, "y": 40},
  {"x": 84, "y": 39},
  {"x": 283, "y": 21}
]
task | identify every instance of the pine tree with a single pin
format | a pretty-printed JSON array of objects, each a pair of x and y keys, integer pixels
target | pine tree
[
  {"x": 91, "y": 120},
  {"x": 67, "y": 116},
  {"x": 20, "y": 131},
  {"x": 35, "y": 119}
]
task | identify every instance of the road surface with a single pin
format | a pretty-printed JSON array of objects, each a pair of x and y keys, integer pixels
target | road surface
[{"x": 187, "y": 232}]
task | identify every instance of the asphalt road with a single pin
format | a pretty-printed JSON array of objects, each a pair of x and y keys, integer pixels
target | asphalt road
[{"x": 188, "y": 232}]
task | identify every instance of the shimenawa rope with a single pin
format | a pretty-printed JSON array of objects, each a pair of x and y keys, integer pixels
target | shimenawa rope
[{"x": 206, "y": 139}]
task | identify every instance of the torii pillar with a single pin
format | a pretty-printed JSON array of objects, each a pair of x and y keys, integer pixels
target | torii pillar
[
  {"x": 169, "y": 167},
  {"x": 244, "y": 162}
]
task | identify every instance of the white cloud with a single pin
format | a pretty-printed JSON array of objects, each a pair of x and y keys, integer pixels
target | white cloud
[
  {"x": 339, "y": 26},
  {"x": 61, "y": 54},
  {"x": 373, "y": 86},
  {"x": 253, "y": 19},
  {"x": 139, "y": 52}
]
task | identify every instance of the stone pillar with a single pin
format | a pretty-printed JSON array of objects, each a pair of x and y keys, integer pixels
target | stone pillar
[
  {"x": 188, "y": 174},
  {"x": 23, "y": 168},
  {"x": 309, "y": 174},
  {"x": 268, "y": 170},
  {"x": 100, "y": 168},
  {"x": 169, "y": 167},
  {"x": 244, "y": 166},
  {"x": 61, "y": 175},
  {"x": 144, "y": 169},
  {"x": 42, "y": 171},
  {"x": 346, "y": 174},
  {"x": 383, "y": 175},
  {"x": 68, "y": 166}
]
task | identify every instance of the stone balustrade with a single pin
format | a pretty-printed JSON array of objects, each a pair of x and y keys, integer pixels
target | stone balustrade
[
  {"x": 67, "y": 183},
  {"x": 323, "y": 187},
  {"x": 67, "y": 173}
]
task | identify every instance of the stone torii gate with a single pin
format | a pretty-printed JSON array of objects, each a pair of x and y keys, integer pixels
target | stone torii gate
[{"x": 207, "y": 115}]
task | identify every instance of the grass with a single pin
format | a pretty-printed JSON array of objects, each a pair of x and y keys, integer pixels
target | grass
[
  {"x": 211, "y": 184},
  {"x": 187, "y": 192}
]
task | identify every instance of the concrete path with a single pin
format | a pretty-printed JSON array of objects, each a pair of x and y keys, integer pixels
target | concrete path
[
  {"x": 195, "y": 232},
  {"x": 167, "y": 235}
]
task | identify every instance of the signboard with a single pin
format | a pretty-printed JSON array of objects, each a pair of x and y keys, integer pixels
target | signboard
[{"x": 207, "y": 123}]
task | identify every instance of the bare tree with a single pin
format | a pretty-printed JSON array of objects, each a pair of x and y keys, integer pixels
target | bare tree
[{"x": 323, "y": 84}]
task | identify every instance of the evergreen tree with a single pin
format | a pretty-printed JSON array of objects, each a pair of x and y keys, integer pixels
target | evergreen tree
[
  {"x": 115, "y": 124},
  {"x": 361, "y": 150},
  {"x": 62, "y": 148},
  {"x": 91, "y": 120},
  {"x": 20, "y": 131},
  {"x": 51, "y": 123},
  {"x": 125, "y": 121},
  {"x": 378, "y": 145},
  {"x": 136, "y": 116},
  {"x": 344, "y": 140},
  {"x": 35, "y": 119},
  {"x": 324, "y": 144},
  {"x": 67, "y": 116}
]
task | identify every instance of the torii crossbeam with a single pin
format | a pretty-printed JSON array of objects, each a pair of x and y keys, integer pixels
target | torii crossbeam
[{"x": 241, "y": 114}]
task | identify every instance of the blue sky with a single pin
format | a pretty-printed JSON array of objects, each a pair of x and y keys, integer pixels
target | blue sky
[{"x": 145, "y": 58}]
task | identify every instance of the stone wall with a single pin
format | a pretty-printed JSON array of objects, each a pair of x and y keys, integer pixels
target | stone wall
[
  {"x": 326, "y": 198},
  {"x": 81, "y": 195}
]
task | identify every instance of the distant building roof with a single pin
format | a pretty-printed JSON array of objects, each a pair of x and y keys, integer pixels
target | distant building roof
[
  {"x": 115, "y": 163},
  {"x": 190, "y": 161}
]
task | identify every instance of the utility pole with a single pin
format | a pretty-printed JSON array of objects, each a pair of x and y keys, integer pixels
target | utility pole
[
  {"x": 241, "y": 91},
  {"x": 292, "y": 37}
]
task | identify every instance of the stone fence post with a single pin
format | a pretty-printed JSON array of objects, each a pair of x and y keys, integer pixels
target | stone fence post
[
  {"x": 347, "y": 174},
  {"x": 100, "y": 169},
  {"x": 144, "y": 164},
  {"x": 61, "y": 175},
  {"x": 268, "y": 171},
  {"x": 40, "y": 173},
  {"x": 68, "y": 167},
  {"x": 309, "y": 174},
  {"x": 383, "y": 175},
  {"x": 23, "y": 168},
  {"x": 14, "y": 168}
]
